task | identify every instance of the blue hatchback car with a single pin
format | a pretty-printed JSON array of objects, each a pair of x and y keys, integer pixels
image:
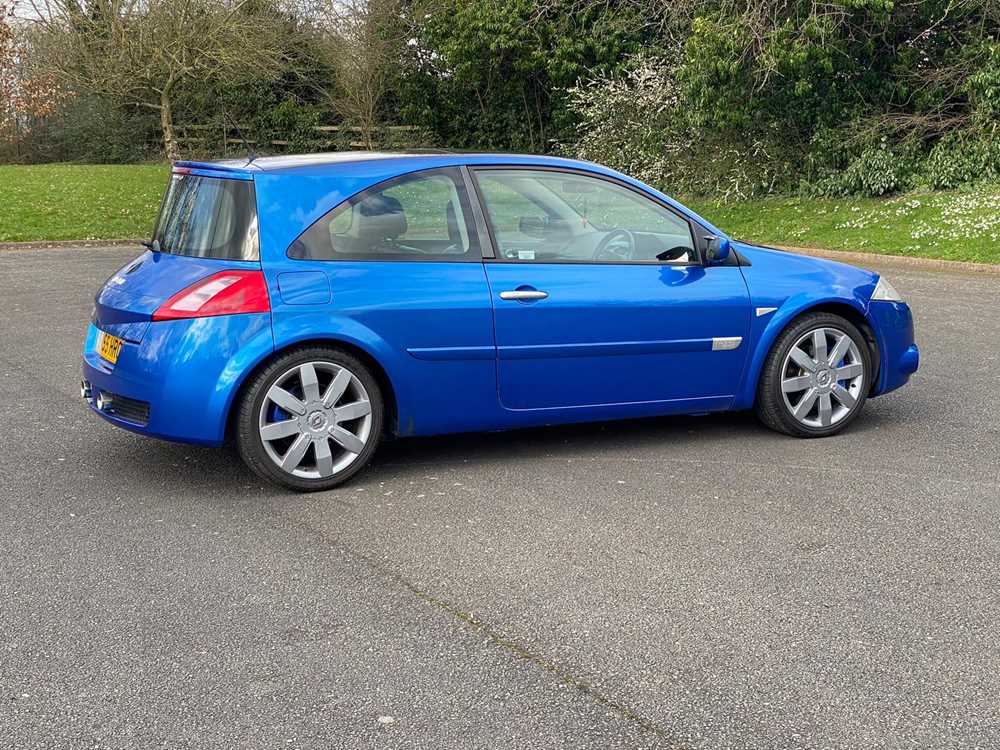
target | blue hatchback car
[{"x": 306, "y": 306}]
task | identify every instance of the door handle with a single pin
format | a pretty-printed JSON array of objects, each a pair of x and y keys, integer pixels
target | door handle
[{"x": 522, "y": 295}]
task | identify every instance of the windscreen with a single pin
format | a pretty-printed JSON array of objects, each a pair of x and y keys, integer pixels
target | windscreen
[{"x": 208, "y": 217}]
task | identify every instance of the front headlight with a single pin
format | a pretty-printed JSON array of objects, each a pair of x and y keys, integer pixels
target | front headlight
[{"x": 884, "y": 291}]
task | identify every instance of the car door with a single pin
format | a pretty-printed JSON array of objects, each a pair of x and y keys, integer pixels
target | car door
[{"x": 600, "y": 298}]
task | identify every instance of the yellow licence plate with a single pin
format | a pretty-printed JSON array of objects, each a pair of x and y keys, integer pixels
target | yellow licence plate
[{"x": 109, "y": 347}]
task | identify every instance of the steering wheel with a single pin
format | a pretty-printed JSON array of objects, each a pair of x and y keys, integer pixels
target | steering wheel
[{"x": 604, "y": 250}]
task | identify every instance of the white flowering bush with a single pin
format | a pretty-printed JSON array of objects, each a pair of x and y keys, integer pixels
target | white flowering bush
[
  {"x": 631, "y": 122},
  {"x": 637, "y": 123}
]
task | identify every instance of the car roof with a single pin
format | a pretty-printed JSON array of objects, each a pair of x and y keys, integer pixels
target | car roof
[
  {"x": 358, "y": 170},
  {"x": 428, "y": 158}
]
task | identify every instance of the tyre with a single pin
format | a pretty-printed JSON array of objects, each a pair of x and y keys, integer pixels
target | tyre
[
  {"x": 310, "y": 420},
  {"x": 816, "y": 377}
]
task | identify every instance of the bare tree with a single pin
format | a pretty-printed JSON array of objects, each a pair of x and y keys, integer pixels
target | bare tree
[
  {"x": 26, "y": 94},
  {"x": 361, "y": 41},
  {"x": 141, "y": 51},
  {"x": 8, "y": 60}
]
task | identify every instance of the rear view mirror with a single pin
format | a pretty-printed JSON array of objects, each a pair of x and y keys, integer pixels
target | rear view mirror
[
  {"x": 717, "y": 249},
  {"x": 579, "y": 187}
]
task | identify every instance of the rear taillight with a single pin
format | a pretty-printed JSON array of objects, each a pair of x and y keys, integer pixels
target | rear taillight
[{"x": 223, "y": 293}]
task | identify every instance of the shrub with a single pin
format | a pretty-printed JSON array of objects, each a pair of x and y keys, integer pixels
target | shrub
[
  {"x": 876, "y": 170},
  {"x": 958, "y": 160},
  {"x": 91, "y": 129},
  {"x": 983, "y": 89},
  {"x": 637, "y": 123},
  {"x": 631, "y": 122},
  {"x": 291, "y": 121}
]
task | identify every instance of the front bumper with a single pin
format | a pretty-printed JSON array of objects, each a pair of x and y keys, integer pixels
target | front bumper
[
  {"x": 899, "y": 355},
  {"x": 185, "y": 372}
]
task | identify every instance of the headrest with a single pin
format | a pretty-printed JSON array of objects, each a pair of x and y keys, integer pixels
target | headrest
[{"x": 380, "y": 217}]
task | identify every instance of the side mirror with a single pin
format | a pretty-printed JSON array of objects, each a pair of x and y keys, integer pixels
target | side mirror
[{"x": 717, "y": 249}]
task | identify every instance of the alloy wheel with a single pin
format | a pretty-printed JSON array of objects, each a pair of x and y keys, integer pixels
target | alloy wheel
[
  {"x": 822, "y": 377},
  {"x": 315, "y": 420}
]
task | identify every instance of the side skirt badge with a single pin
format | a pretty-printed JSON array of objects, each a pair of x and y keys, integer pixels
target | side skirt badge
[{"x": 726, "y": 343}]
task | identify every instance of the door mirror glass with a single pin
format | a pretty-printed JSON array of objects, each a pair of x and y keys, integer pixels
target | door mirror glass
[{"x": 717, "y": 249}]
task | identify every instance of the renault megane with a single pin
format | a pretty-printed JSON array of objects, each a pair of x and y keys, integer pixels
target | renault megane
[{"x": 308, "y": 306}]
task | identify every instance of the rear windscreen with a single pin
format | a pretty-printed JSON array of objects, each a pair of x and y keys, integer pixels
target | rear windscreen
[{"x": 208, "y": 217}]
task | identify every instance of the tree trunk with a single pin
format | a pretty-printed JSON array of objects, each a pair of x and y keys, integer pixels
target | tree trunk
[
  {"x": 167, "y": 125},
  {"x": 366, "y": 110}
]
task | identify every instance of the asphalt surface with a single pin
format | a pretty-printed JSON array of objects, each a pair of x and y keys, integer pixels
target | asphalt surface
[{"x": 685, "y": 582}]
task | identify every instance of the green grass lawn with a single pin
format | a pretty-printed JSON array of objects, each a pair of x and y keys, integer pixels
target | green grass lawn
[
  {"x": 958, "y": 225},
  {"x": 79, "y": 201}
]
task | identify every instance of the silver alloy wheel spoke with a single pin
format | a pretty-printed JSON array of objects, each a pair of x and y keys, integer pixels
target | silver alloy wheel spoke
[
  {"x": 843, "y": 344},
  {"x": 825, "y": 409},
  {"x": 806, "y": 403},
  {"x": 278, "y": 430},
  {"x": 843, "y": 395},
  {"x": 821, "y": 384},
  {"x": 819, "y": 346},
  {"x": 346, "y": 440},
  {"x": 295, "y": 453},
  {"x": 803, "y": 360},
  {"x": 793, "y": 385},
  {"x": 324, "y": 458},
  {"x": 310, "y": 383},
  {"x": 336, "y": 388},
  {"x": 286, "y": 400},
  {"x": 300, "y": 411},
  {"x": 354, "y": 410},
  {"x": 850, "y": 371}
]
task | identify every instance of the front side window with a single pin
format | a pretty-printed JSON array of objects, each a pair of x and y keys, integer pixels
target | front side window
[
  {"x": 546, "y": 216},
  {"x": 423, "y": 216},
  {"x": 208, "y": 217}
]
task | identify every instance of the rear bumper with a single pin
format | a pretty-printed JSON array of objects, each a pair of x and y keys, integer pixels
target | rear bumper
[
  {"x": 187, "y": 371},
  {"x": 899, "y": 355}
]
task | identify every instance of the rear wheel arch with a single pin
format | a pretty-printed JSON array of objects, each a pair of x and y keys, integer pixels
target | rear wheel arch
[{"x": 366, "y": 358}]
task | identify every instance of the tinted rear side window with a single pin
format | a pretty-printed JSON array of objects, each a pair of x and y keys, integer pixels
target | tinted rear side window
[
  {"x": 419, "y": 216},
  {"x": 208, "y": 217}
]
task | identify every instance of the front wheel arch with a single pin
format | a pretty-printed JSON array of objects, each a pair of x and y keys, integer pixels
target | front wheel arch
[
  {"x": 747, "y": 397},
  {"x": 858, "y": 320},
  {"x": 772, "y": 405}
]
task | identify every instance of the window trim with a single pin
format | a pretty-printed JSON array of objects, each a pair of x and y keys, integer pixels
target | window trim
[
  {"x": 465, "y": 196},
  {"x": 483, "y": 228},
  {"x": 495, "y": 257}
]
